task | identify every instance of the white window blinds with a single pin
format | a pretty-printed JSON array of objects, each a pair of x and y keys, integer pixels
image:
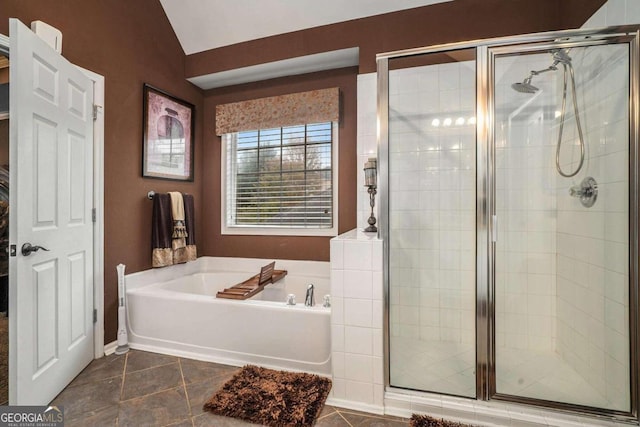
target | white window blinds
[{"x": 281, "y": 178}]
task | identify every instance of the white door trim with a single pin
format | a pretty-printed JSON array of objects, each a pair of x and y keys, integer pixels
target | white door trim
[
  {"x": 98, "y": 203},
  {"x": 98, "y": 206}
]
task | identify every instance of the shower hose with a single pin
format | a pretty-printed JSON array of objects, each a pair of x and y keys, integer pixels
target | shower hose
[{"x": 562, "y": 118}]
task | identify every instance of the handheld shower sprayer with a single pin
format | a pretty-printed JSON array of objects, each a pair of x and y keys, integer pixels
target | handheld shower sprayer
[{"x": 560, "y": 56}]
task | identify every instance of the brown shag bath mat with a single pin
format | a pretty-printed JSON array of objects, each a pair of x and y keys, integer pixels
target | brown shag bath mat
[
  {"x": 272, "y": 398},
  {"x": 427, "y": 421}
]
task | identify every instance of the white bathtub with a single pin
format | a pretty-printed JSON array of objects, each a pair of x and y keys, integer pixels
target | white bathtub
[{"x": 174, "y": 310}]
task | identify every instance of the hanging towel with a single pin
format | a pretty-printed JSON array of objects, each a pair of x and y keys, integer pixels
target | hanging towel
[
  {"x": 177, "y": 213},
  {"x": 161, "y": 231},
  {"x": 188, "y": 252},
  {"x": 164, "y": 251}
]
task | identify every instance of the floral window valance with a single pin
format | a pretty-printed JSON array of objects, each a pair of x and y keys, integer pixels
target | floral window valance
[{"x": 278, "y": 111}]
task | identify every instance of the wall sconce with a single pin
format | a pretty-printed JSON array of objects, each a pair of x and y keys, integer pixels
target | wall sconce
[{"x": 370, "y": 172}]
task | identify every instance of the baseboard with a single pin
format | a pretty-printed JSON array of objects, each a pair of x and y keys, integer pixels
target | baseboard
[
  {"x": 110, "y": 348},
  {"x": 356, "y": 406}
]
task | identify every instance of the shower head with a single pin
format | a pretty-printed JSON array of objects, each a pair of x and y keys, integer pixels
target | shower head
[
  {"x": 560, "y": 56},
  {"x": 525, "y": 86}
]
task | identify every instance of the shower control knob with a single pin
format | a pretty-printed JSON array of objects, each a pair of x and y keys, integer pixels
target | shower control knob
[{"x": 587, "y": 192}]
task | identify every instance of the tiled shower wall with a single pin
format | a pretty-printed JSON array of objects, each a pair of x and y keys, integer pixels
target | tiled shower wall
[
  {"x": 593, "y": 276},
  {"x": 432, "y": 202},
  {"x": 606, "y": 125},
  {"x": 615, "y": 12}
]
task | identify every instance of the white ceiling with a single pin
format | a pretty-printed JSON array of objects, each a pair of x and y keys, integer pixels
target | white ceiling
[{"x": 207, "y": 24}]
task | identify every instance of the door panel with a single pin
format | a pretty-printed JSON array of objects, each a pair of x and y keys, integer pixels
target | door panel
[
  {"x": 561, "y": 265},
  {"x": 77, "y": 179},
  {"x": 432, "y": 201},
  {"x": 45, "y": 277},
  {"x": 51, "y": 149},
  {"x": 77, "y": 297}
]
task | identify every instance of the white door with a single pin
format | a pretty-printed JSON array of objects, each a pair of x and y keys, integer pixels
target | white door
[{"x": 51, "y": 172}]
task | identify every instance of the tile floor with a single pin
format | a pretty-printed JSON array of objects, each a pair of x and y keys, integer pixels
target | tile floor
[{"x": 149, "y": 389}]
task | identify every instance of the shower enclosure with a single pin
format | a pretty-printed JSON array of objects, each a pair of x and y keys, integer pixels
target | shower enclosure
[{"x": 509, "y": 217}]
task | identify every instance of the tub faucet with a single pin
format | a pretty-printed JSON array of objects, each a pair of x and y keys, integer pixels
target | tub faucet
[{"x": 308, "y": 299}]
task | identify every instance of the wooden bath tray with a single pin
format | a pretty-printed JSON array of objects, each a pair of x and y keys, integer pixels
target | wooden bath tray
[{"x": 255, "y": 284}]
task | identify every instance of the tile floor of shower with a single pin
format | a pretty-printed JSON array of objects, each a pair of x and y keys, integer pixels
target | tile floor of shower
[{"x": 449, "y": 368}]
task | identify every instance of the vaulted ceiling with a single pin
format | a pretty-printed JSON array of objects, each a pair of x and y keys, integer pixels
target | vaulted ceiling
[{"x": 208, "y": 24}]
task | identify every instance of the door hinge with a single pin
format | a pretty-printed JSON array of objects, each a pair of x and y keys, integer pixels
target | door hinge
[
  {"x": 12, "y": 250},
  {"x": 95, "y": 315},
  {"x": 93, "y": 215},
  {"x": 95, "y": 111}
]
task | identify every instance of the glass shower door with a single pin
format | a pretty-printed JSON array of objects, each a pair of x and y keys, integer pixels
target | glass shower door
[
  {"x": 561, "y": 147},
  {"x": 432, "y": 203}
]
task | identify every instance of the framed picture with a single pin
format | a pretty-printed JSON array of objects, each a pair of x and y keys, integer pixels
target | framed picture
[{"x": 167, "y": 142}]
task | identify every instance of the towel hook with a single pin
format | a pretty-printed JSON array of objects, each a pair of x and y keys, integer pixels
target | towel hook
[{"x": 150, "y": 194}]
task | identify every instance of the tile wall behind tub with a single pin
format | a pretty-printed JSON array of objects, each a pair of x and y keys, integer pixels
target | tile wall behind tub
[
  {"x": 593, "y": 274},
  {"x": 357, "y": 321},
  {"x": 356, "y": 285},
  {"x": 432, "y": 202}
]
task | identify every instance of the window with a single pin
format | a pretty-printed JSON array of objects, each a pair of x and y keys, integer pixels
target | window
[{"x": 281, "y": 181}]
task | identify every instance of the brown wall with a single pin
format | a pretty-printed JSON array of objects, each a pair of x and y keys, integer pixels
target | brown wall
[
  {"x": 289, "y": 247},
  {"x": 129, "y": 43}
]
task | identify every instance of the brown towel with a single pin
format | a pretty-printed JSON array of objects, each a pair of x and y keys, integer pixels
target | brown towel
[
  {"x": 161, "y": 231},
  {"x": 163, "y": 252}
]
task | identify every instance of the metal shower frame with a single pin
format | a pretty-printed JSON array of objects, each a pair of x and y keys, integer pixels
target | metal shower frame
[{"x": 486, "y": 51}]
